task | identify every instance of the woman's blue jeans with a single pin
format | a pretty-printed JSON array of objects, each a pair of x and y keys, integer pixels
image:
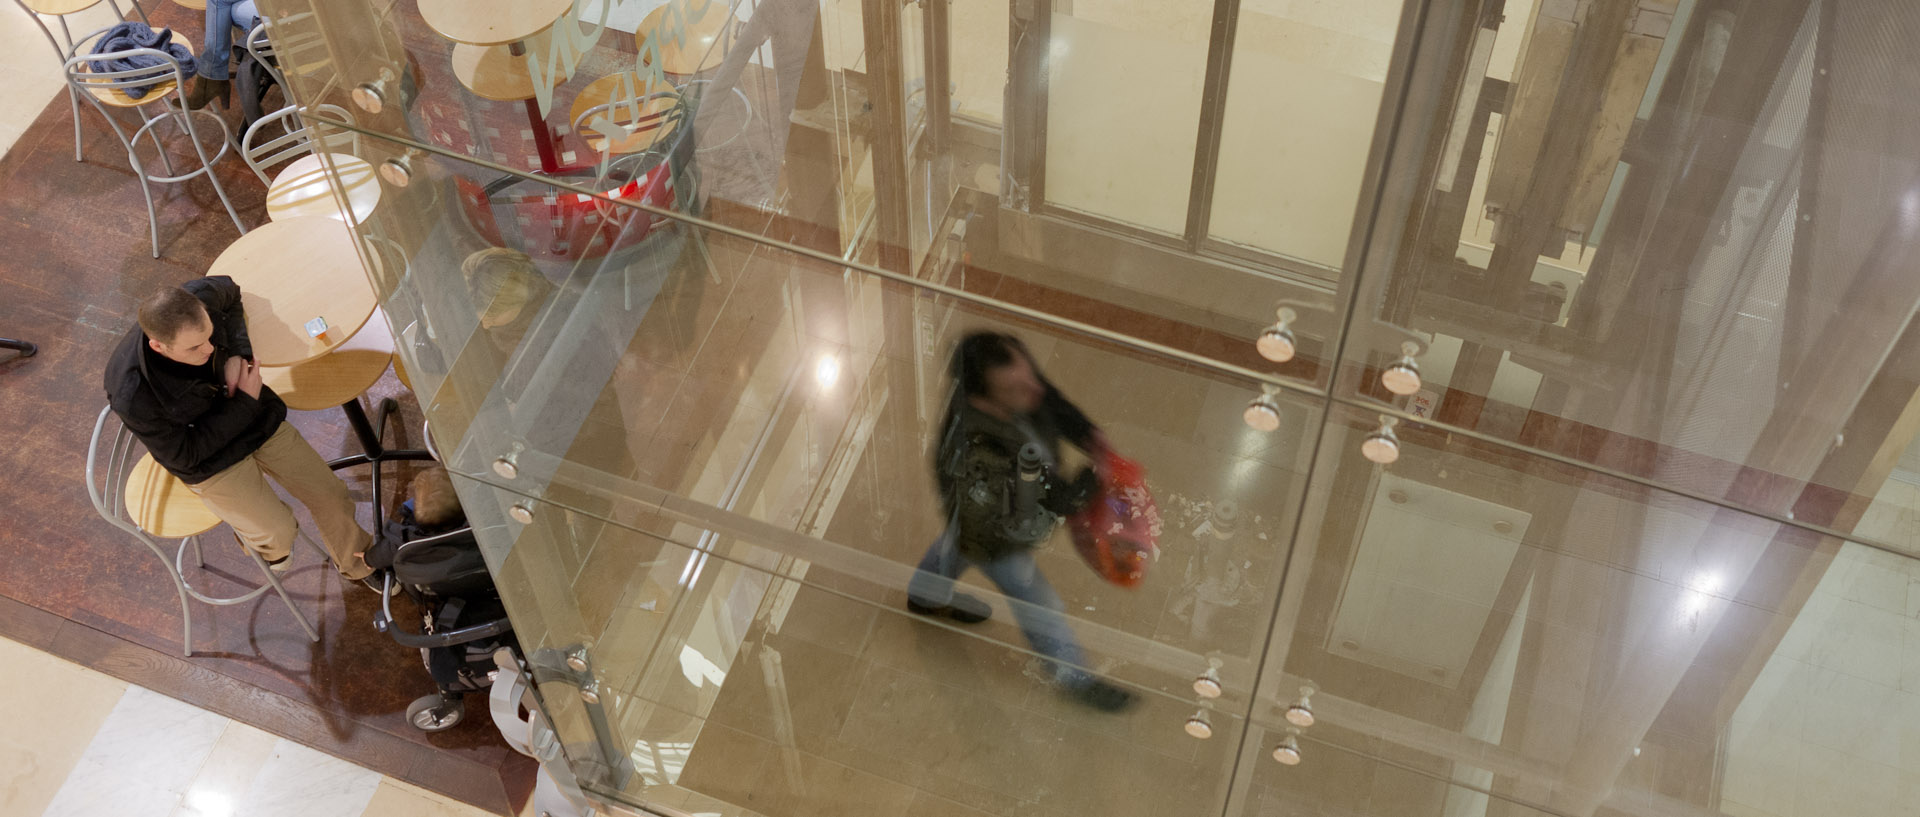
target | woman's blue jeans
[
  {"x": 1019, "y": 577},
  {"x": 222, "y": 16}
]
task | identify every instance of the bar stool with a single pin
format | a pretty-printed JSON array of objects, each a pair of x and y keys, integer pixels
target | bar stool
[
  {"x": 687, "y": 36},
  {"x": 160, "y": 83},
  {"x": 303, "y": 188},
  {"x": 648, "y": 118},
  {"x": 691, "y": 37},
  {"x": 59, "y": 10},
  {"x": 136, "y": 495}
]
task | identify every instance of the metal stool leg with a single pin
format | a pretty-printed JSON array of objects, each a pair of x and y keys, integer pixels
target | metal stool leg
[
  {"x": 24, "y": 348},
  {"x": 266, "y": 570},
  {"x": 74, "y": 98},
  {"x": 186, "y": 611},
  {"x": 158, "y": 146}
]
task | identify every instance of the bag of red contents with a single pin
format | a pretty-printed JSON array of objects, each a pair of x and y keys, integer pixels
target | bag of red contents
[{"x": 1118, "y": 532}]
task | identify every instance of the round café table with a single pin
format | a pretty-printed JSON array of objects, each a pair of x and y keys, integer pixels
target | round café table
[
  {"x": 338, "y": 378},
  {"x": 491, "y": 22},
  {"x": 493, "y": 72},
  {"x": 291, "y": 271}
]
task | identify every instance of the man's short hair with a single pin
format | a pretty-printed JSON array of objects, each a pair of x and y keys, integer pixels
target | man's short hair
[
  {"x": 434, "y": 502},
  {"x": 168, "y": 311}
]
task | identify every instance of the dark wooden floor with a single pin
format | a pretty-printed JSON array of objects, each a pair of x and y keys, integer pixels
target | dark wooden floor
[{"x": 74, "y": 260}]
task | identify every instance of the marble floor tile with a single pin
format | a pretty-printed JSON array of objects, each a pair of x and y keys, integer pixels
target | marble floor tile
[
  {"x": 393, "y": 798},
  {"x": 228, "y": 772},
  {"x": 141, "y": 760},
  {"x": 54, "y": 709},
  {"x": 296, "y": 781}
]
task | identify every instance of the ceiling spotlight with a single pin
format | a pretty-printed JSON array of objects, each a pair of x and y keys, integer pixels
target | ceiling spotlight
[
  {"x": 1198, "y": 726},
  {"x": 1277, "y": 343},
  {"x": 1263, "y": 414},
  {"x": 1301, "y": 712},
  {"x": 1208, "y": 684},
  {"x": 1288, "y": 752},
  {"x": 1381, "y": 445}
]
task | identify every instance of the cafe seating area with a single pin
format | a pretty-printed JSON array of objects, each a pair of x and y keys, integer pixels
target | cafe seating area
[{"x": 270, "y": 203}]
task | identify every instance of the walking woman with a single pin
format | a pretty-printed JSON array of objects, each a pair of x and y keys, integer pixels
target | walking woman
[{"x": 997, "y": 465}]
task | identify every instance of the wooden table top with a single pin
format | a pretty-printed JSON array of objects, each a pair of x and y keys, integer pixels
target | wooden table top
[
  {"x": 197, "y": 5},
  {"x": 606, "y": 89},
  {"x": 691, "y": 50},
  {"x": 163, "y": 505},
  {"x": 491, "y": 22},
  {"x": 303, "y": 188},
  {"x": 342, "y": 375},
  {"x": 291, "y": 271},
  {"x": 492, "y": 72}
]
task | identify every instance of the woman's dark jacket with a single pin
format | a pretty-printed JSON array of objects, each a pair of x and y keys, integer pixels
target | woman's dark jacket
[{"x": 977, "y": 464}]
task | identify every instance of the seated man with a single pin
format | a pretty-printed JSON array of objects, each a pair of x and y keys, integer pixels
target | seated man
[{"x": 184, "y": 382}]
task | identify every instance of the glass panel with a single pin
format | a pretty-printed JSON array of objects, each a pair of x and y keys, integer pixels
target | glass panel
[
  {"x": 776, "y": 388},
  {"x": 1301, "y": 103},
  {"x": 607, "y": 85},
  {"x": 1584, "y": 285},
  {"x": 734, "y": 683},
  {"x": 977, "y": 35},
  {"x": 1576, "y": 641},
  {"x": 1120, "y": 127},
  {"x": 1331, "y": 781}
]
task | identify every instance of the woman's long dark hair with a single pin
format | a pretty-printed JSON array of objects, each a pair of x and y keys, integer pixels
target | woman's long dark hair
[{"x": 982, "y": 351}]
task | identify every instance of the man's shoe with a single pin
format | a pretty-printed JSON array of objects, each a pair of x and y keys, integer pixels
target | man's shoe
[
  {"x": 202, "y": 91},
  {"x": 376, "y": 581},
  {"x": 964, "y": 609},
  {"x": 1102, "y": 696},
  {"x": 281, "y": 565}
]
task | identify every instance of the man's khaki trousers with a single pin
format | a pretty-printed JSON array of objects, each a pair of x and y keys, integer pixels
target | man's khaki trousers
[{"x": 241, "y": 496}]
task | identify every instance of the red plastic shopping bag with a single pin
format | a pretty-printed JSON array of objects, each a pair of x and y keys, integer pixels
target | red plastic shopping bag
[{"x": 1118, "y": 532}]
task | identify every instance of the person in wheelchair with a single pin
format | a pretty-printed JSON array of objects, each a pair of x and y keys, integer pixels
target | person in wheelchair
[
  {"x": 428, "y": 551},
  {"x": 446, "y": 567}
]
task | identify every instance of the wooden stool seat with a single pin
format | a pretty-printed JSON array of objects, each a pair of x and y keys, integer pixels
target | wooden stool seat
[
  {"x": 196, "y": 5},
  {"x": 163, "y": 505},
  {"x": 692, "y": 49},
  {"x": 117, "y": 97},
  {"x": 492, "y": 72},
  {"x": 649, "y": 131},
  {"x": 400, "y": 373},
  {"x": 290, "y": 271},
  {"x": 59, "y": 7},
  {"x": 491, "y": 22},
  {"x": 303, "y": 188},
  {"x": 341, "y": 375}
]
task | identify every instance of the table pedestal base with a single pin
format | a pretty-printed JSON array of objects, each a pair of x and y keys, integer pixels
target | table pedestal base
[{"x": 372, "y": 451}]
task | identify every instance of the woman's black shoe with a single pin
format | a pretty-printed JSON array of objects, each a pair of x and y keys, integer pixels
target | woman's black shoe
[
  {"x": 1102, "y": 696},
  {"x": 964, "y": 609}
]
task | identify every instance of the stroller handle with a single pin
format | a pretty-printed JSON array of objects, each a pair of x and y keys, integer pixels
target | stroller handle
[{"x": 384, "y": 622}]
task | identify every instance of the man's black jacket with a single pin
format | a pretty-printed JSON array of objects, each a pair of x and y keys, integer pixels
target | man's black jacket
[{"x": 182, "y": 413}]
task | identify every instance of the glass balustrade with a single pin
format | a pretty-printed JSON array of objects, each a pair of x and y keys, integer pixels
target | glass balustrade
[{"x": 1570, "y": 477}]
